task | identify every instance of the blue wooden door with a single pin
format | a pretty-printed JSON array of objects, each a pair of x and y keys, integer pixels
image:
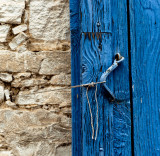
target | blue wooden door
[
  {"x": 145, "y": 63},
  {"x": 131, "y": 124}
]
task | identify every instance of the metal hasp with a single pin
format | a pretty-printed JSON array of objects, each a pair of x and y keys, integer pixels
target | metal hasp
[{"x": 118, "y": 59}]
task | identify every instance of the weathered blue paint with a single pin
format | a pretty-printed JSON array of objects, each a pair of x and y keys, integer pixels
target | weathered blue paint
[
  {"x": 75, "y": 78},
  {"x": 94, "y": 63},
  {"x": 95, "y": 16},
  {"x": 121, "y": 124},
  {"x": 100, "y": 33},
  {"x": 145, "y": 54}
]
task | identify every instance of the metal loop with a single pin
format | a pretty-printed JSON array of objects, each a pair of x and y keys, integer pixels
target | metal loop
[{"x": 118, "y": 59}]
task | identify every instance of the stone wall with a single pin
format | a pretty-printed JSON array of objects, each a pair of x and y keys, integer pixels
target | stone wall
[{"x": 35, "y": 103}]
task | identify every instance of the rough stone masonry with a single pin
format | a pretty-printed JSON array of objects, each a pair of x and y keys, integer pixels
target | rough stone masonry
[{"x": 35, "y": 103}]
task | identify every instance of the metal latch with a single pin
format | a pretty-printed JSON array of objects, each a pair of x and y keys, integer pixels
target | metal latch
[{"x": 118, "y": 59}]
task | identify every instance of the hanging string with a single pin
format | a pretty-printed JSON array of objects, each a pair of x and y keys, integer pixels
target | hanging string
[
  {"x": 97, "y": 112},
  {"x": 90, "y": 113},
  {"x": 90, "y": 110}
]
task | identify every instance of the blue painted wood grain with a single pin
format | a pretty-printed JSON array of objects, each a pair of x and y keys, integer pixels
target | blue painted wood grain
[
  {"x": 95, "y": 16},
  {"x": 121, "y": 86},
  {"x": 95, "y": 60},
  {"x": 93, "y": 50},
  {"x": 98, "y": 50},
  {"x": 145, "y": 54},
  {"x": 75, "y": 78}
]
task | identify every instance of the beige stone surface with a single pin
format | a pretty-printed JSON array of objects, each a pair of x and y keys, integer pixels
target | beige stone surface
[
  {"x": 39, "y": 45},
  {"x": 49, "y": 20},
  {"x": 26, "y": 16},
  {"x": 19, "y": 29},
  {"x": 4, "y": 32},
  {"x": 22, "y": 75},
  {"x": 52, "y": 66},
  {"x": 1, "y": 93},
  {"x": 63, "y": 151},
  {"x": 10, "y": 62},
  {"x": 36, "y": 133},
  {"x": 16, "y": 41},
  {"x": 29, "y": 82},
  {"x": 11, "y": 11},
  {"x": 3, "y": 46},
  {"x": 10, "y": 104},
  {"x": 35, "y": 78},
  {"x": 48, "y": 95},
  {"x": 5, "y": 153},
  {"x": 61, "y": 79},
  {"x": 7, "y": 94},
  {"x": 45, "y": 63},
  {"x": 6, "y": 77}
]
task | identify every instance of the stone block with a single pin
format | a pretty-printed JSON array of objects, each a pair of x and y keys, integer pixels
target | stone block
[
  {"x": 48, "y": 95},
  {"x": 16, "y": 41},
  {"x": 49, "y": 20},
  {"x": 7, "y": 94},
  {"x": 4, "y": 32},
  {"x": 1, "y": 93},
  {"x": 18, "y": 29},
  {"x": 6, "y": 77},
  {"x": 11, "y": 11},
  {"x": 61, "y": 79},
  {"x": 58, "y": 63}
]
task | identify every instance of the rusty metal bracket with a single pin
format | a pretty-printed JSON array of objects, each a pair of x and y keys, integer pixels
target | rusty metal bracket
[{"x": 118, "y": 59}]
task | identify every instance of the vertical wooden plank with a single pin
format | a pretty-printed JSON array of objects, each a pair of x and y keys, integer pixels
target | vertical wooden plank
[
  {"x": 121, "y": 110},
  {"x": 119, "y": 123},
  {"x": 98, "y": 50},
  {"x": 99, "y": 44},
  {"x": 145, "y": 52},
  {"x": 75, "y": 78}
]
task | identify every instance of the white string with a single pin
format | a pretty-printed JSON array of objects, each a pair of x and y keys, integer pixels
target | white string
[
  {"x": 91, "y": 113},
  {"x": 97, "y": 112},
  {"x": 88, "y": 84}
]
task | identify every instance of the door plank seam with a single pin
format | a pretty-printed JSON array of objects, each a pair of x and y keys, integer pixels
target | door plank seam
[{"x": 130, "y": 77}]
